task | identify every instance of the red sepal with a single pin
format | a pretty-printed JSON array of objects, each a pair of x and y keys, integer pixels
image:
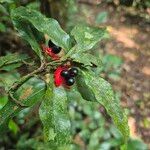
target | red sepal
[
  {"x": 58, "y": 79},
  {"x": 48, "y": 51}
]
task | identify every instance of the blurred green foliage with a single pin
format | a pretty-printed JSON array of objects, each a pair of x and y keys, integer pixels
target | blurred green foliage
[
  {"x": 91, "y": 127},
  {"x": 112, "y": 66},
  {"x": 101, "y": 17}
]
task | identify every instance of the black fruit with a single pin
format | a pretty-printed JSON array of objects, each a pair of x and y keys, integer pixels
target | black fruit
[
  {"x": 73, "y": 72},
  {"x": 50, "y": 43},
  {"x": 65, "y": 74},
  {"x": 70, "y": 81},
  {"x": 56, "y": 49}
]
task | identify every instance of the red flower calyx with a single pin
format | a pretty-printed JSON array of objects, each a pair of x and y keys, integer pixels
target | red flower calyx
[
  {"x": 58, "y": 79},
  {"x": 49, "y": 51},
  {"x": 64, "y": 75}
]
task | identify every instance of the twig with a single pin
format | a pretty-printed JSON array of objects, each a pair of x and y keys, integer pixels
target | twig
[
  {"x": 25, "y": 78},
  {"x": 27, "y": 63},
  {"x": 16, "y": 85}
]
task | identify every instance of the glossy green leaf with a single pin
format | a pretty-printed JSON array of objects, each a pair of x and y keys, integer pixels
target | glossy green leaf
[
  {"x": 29, "y": 94},
  {"x": 86, "y": 59},
  {"x": 12, "y": 58},
  {"x": 26, "y": 32},
  {"x": 54, "y": 116},
  {"x": 31, "y": 91},
  {"x": 86, "y": 37},
  {"x": 103, "y": 93},
  {"x": 84, "y": 90},
  {"x": 23, "y": 17}
]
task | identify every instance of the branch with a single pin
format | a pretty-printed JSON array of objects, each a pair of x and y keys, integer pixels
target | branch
[
  {"x": 16, "y": 85},
  {"x": 28, "y": 76}
]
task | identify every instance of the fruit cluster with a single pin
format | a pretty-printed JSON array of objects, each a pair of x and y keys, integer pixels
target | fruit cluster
[
  {"x": 69, "y": 75},
  {"x": 63, "y": 75}
]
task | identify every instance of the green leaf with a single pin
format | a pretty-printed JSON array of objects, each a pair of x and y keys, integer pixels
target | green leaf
[
  {"x": 86, "y": 59},
  {"x": 11, "y": 67},
  {"x": 73, "y": 94},
  {"x": 12, "y": 58},
  {"x": 103, "y": 93},
  {"x": 27, "y": 33},
  {"x": 86, "y": 37},
  {"x": 3, "y": 100},
  {"x": 29, "y": 94},
  {"x": 54, "y": 116},
  {"x": 31, "y": 91},
  {"x": 7, "y": 79},
  {"x": 13, "y": 126},
  {"x": 7, "y": 112},
  {"x": 34, "y": 5},
  {"x": 42, "y": 24},
  {"x": 84, "y": 90}
]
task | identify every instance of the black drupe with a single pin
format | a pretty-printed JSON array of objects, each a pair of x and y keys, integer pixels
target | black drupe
[
  {"x": 56, "y": 49},
  {"x": 70, "y": 81},
  {"x": 50, "y": 43},
  {"x": 65, "y": 74},
  {"x": 73, "y": 72}
]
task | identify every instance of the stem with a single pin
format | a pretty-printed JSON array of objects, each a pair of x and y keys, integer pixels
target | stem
[
  {"x": 28, "y": 76},
  {"x": 16, "y": 85}
]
